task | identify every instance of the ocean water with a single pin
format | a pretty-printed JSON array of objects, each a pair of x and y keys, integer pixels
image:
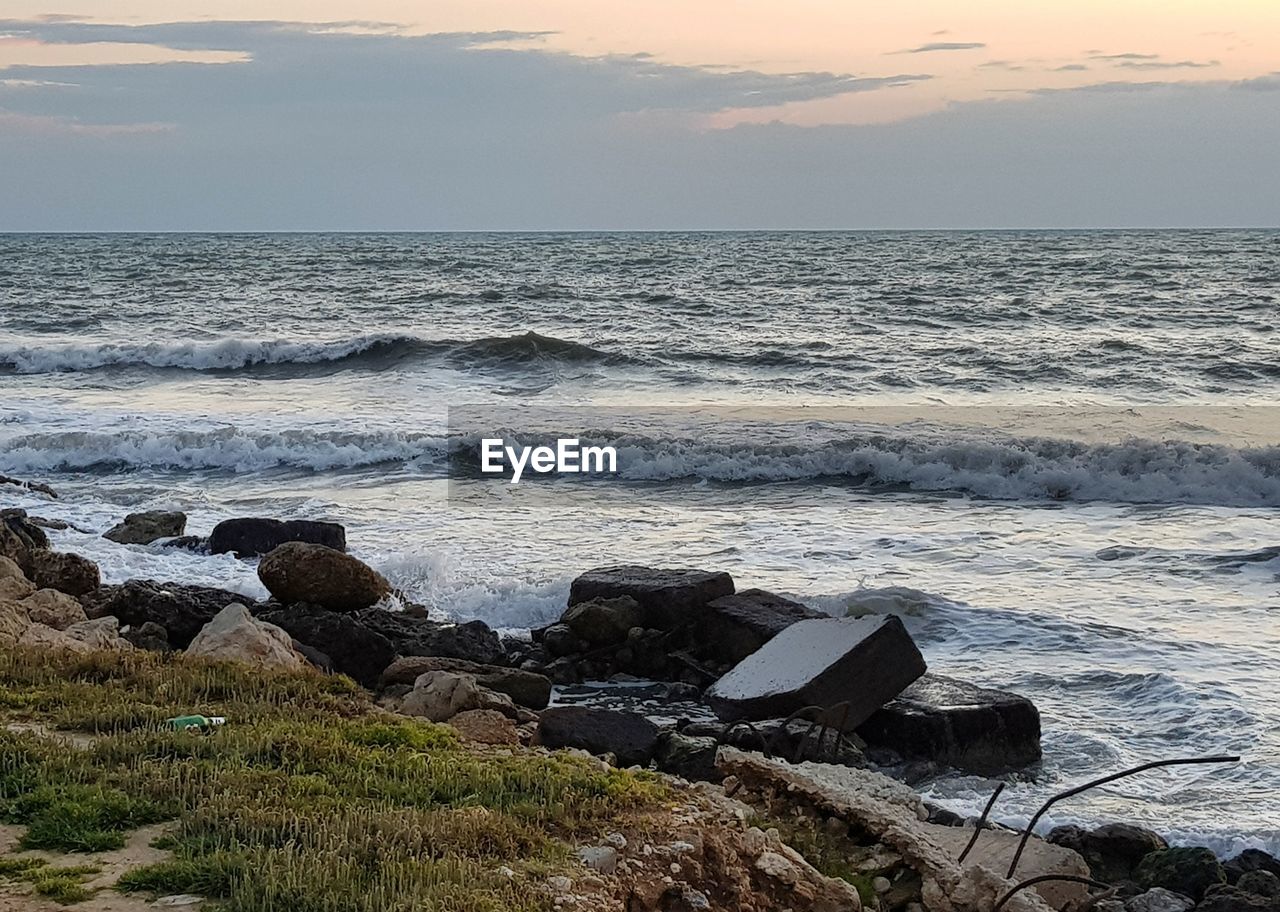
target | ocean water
[{"x": 1055, "y": 454}]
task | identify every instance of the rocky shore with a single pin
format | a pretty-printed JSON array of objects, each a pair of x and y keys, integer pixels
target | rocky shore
[{"x": 781, "y": 711}]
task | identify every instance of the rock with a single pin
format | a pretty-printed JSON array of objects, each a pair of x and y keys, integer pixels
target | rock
[
  {"x": 29, "y": 485},
  {"x": 13, "y": 622},
  {"x": 601, "y": 859},
  {"x": 692, "y": 758},
  {"x": 975, "y": 729},
  {"x": 315, "y": 658},
  {"x": 1159, "y": 900},
  {"x": 13, "y": 582},
  {"x": 1223, "y": 898},
  {"x": 1251, "y": 860},
  {"x": 559, "y": 640},
  {"x": 301, "y": 572},
  {"x": 417, "y": 636},
  {"x": 603, "y": 621},
  {"x": 1260, "y": 883},
  {"x": 732, "y": 627},
  {"x": 188, "y": 543},
  {"x": 669, "y": 598},
  {"x": 234, "y": 635},
  {"x": 865, "y": 662},
  {"x": 69, "y": 573},
  {"x": 149, "y": 636},
  {"x": 180, "y": 609},
  {"x": 251, "y": 537},
  {"x": 102, "y": 634},
  {"x": 54, "y": 609},
  {"x": 144, "y": 528},
  {"x": 525, "y": 688},
  {"x": 1112, "y": 851},
  {"x": 1189, "y": 871},
  {"x": 485, "y": 726},
  {"x": 630, "y": 737},
  {"x": 441, "y": 695},
  {"x": 352, "y": 648},
  {"x": 19, "y": 537}
]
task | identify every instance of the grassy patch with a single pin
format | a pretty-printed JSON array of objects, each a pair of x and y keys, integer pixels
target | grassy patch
[
  {"x": 62, "y": 884},
  {"x": 308, "y": 798}
]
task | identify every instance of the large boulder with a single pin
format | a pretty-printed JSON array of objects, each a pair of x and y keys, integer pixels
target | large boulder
[
  {"x": 630, "y": 737},
  {"x": 474, "y": 641},
  {"x": 180, "y": 609},
  {"x": 526, "y": 688},
  {"x": 54, "y": 609},
  {"x": 1112, "y": 851},
  {"x": 101, "y": 634},
  {"x": 69, "y": 573},
  {"x": 732, "y": 627},
  {"x": 148, "y": 526},
  {"x": 319, "y": 575},
  {"x": 975, "y": 729},
  {"x": 13, "y": 582},
  {"x": 669, "y": 598},
  {"x": 604, "y": 621},
  {"x": 251, "y": 537},
  {"x": 1251, "y": 860},
  {"x": 13, "y": 622},
  {"x": 19, "y": 537},
  {"x": 351, "y": 648},
  {"x": 234, "y": 635},
  {"x": 1222, "y": 898},
  {"x": 1186, "y": 870},
  {"x": 861, "y": 662},
  {"x": 441, "y": 695}
]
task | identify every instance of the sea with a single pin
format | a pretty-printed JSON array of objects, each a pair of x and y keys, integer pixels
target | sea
[{"x": 1056, "y": 455}]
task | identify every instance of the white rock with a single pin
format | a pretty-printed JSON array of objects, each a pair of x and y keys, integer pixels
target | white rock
[{"x": 234, "y": 635}]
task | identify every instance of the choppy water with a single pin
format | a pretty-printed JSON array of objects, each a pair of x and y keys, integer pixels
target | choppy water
[{"x": 1053, "y": 452}]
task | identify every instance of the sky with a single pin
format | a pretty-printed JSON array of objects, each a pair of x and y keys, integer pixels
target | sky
[{"x": 268, "y": 115}]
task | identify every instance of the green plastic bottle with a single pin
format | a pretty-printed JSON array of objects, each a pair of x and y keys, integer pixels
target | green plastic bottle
[{"x": 201, "y": 723}]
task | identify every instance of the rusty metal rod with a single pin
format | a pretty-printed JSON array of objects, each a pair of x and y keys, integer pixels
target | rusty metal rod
[
  {"x": 1046, "y": 878},
  {"x": 977, "y": 829},
  {"x": 1031, "y": 825}
]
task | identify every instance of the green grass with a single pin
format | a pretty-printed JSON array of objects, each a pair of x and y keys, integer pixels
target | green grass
[
  {"x": 63, "y": 884},
  {"x": 308, "y": 798}
]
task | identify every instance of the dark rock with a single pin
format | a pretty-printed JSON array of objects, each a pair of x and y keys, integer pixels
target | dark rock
[
  {"x": 250, "y": 537},
  {"x": 187, "y": 543},
  {"x": 669, "y": 598},
  {"x": 630, "y": 737},
  {"x": 144, "y": 528},
  {"x": 150, "y": 636},
  {"x": 688, "y": 757},
  {"x": 20, "y": 537},
  {"x": 1224, "y": 898},
  {"x": 1260, "y": 883},
  {"x": 732, "y": 627},
  {"x": 864, "y": 662},
  {"x": 314, "y": 657},
  {"x": 525, "y": 688},
  {"x": 974, "y": 729},
  {"x": 29, "y": 485},
  {"x": 412, "y": 636},
  {"x": 351, "y": 647},
  {"x": 181, "y": 610},
  {"x": 1189, "y": 871},
  {"x": 66, "y": 572},
  {"x": 1250, "y": 860},
  {"x": 319, "y": 575},
  {"x": 603, "y": 621},
  {"x": 1112, "y": 851},
  {"x": 559, "y": 640}
]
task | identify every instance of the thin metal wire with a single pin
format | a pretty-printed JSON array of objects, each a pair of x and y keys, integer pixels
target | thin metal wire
[
  {"x": 982, "y": 821},
  {"x": 1046, "y": 878}
]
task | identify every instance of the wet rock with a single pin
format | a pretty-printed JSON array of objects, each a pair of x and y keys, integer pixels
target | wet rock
[
  {"x": 234, "y": 635},
  {"x": 603, "y": 621},
  {"x": 351, "y": 647},
  {"x": 668, "y": 598},
  {"x": 180, "y": 609},
  {"x": 54, "y": 609},
  {"x": 732, "y": 627},
  {"x": 1112, "y": 851},
  {"x": 252, "y": 536},
  {"x": 1189, "y": 871},
  {"x": 1260, "y": 883},
  {"x": 416, "y": 636},
  {"x": 1224, "y": 898},
  {"x": 692, "y": 758},
  {"x": 20, "y": 537},
  {"x": 485, "y": 726},
  {"x": 1250, "y": 860},
  {"x": 865, "y": 662},
  {"x": 630, "y": 737},
  {"x": 149, "y": 636},
  {"x": 559, "y": 640},
  {"x": 69, "y": 573},
  {"x": 198, "y": 543},
  {"x": 144, "y": 528},
  {"x": 975, "y": 729},
  {"x": 524, "y": 687},
  {"x": 1159, "y": 900},
  {"x": 301, "y": 572},
  {"x": 29, "y": 485}
]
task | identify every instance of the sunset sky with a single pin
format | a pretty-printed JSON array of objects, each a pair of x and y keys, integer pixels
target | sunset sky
[{"x": 323, "y": 114}]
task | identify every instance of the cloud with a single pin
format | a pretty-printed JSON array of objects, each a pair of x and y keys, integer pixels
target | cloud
[
  {"x": 1096, "y": 55},
  {"x": 36, "y": 124},
  {"x": 943, "y": 46},
  {"x": 1167, "y": 64},
  {"x": 1070, "y": 68}
]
